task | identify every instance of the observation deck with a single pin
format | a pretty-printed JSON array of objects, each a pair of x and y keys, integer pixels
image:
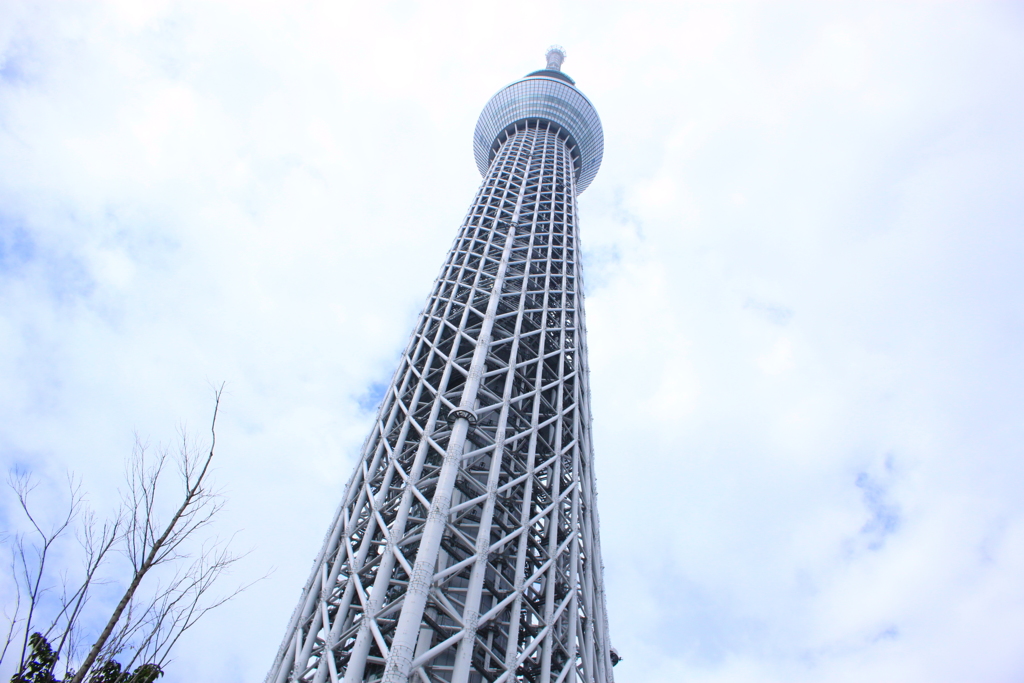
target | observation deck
[{"x": 544, "y": 95}]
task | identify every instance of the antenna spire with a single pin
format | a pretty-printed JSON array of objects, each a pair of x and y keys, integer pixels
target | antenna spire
[{"x": 555, "y": 55}]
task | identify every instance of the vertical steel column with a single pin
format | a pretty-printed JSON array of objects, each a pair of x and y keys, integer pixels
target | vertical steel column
[{"x": 399, "y": 663}]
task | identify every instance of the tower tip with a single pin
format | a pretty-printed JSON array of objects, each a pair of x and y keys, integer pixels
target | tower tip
[{"x": 555, "y": 55}]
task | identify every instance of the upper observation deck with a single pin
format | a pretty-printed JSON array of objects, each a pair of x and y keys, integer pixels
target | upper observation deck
[{"x": 544, "y": 95}]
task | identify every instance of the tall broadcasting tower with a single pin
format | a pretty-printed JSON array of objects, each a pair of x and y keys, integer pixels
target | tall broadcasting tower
[{"x": 466, "y": 547}]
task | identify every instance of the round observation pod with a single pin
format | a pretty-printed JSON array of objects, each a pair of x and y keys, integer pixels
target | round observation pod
[{"x": 544, "y": 95}]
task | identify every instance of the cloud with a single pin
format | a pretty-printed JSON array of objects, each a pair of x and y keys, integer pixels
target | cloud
[{"x": 802, "y": 264}]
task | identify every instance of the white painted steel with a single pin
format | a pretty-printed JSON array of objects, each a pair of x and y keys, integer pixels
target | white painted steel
[{"x": 466, "y": 548}]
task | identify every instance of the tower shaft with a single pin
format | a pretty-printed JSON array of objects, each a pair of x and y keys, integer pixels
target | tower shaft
[{"x": 466, "y": 548}]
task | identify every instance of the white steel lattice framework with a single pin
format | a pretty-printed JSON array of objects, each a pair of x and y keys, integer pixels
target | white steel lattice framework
[{"x": 466, "y": 548}]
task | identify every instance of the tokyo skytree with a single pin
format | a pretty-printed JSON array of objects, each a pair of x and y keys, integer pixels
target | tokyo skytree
[{"x": 466, "y": 547}]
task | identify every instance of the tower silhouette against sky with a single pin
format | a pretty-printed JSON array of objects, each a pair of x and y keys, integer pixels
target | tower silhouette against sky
[{"x": 466, "y": 547}]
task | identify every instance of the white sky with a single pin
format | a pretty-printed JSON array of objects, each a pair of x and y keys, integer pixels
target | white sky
[{"x": 804, "y": 274}]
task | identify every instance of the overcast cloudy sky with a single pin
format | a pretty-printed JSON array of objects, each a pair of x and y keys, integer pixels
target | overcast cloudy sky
[{"x": 804, "y": 275}]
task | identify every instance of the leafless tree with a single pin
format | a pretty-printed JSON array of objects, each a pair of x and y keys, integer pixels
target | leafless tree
[{"x": 179, "y": 568}]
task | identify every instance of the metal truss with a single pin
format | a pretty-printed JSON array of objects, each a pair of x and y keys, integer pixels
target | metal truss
[{"x": 467, "y": 548}]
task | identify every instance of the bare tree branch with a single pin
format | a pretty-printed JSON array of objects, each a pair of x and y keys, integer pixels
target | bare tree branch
[
  {"x": 178, "y": 569},
  {"x": 95, "y": 550},
  {"x": 13, "y": 618},
  {"x": 192, "y": 514},
  {"x": 31, "y": 564}
]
